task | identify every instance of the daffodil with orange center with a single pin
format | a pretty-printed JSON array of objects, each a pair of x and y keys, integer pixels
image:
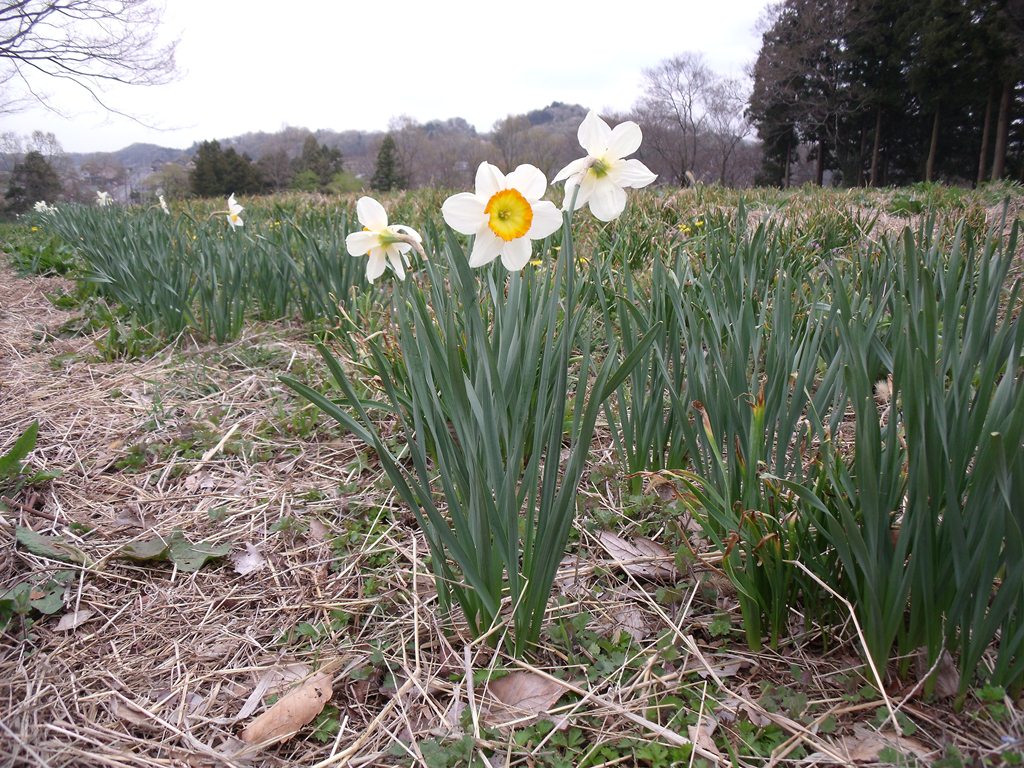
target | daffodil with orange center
[{"x": 505, "y": 215}]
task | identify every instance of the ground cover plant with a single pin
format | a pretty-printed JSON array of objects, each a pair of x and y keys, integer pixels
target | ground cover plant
[{"x": 778, "y": 435}]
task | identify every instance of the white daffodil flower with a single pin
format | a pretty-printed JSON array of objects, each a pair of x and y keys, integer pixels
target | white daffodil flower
[
  {"x": 234, "y": 212},
  {"x": 163, "y": 205},
  {"x": 604, "y": 174},
  {"x": 505, "y": 214},
  {"x": 42, "y": 207},
  {"x": 103, "y": 199},
  {"x": 386, "y": 245}
]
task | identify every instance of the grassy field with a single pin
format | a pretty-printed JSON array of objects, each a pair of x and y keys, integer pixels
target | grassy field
[{"x": 794, "y": 530}]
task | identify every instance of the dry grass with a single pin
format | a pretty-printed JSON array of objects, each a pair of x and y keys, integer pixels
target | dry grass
[{"x": 169, "y": 666}]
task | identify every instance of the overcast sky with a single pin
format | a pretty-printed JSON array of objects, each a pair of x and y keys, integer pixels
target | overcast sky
[{"x": 264, "y": 64}]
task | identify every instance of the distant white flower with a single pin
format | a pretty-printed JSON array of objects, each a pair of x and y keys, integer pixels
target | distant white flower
[
  {"x": 103, "y": 199},
  {"x": 386, "y": 245},
  {"x": 505, "y": 214},
  {"x": 234, "y": 212},
  {"x": 163, "y": 205},
  {"x": 604, "y": 174},
  {"x": 42, "y": 207}
]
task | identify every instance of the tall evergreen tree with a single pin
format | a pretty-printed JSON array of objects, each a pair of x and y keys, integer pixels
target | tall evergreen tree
[
  {"x": 217, "y": 172},
  {"x": 32, "y": 180},
  {"x": 891, "y": 91},
  {"x": 800, "y": 82},
  {"x": 875, "y": 43},
  {"x": 942, "y": 71},
  {"x": 388, "y": 173},
  {"x": 322, "y": 161}
]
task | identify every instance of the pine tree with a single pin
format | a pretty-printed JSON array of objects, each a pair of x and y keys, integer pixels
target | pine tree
[
  {"x": 32, "y": 180},
  {"x": 208, "y": 170},
  {"x": 388, "y": 173},
  {"x": 217, "y": 172},
  {"x": 322, "y": 161}
]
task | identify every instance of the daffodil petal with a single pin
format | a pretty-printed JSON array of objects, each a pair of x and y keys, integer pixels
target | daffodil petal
[
  {"x": 631, "y": 173},
  {"x": 486, "y": 248},
  {"x": 516, "y": 253},
  {"x": 371, "y": 214},
  {"x": 572, "y": 169},
  {"x": 529, "y": 180},
  {"x": 546, "y": 220},
  {"x": 360, "y": 243},
  {"x": 594, "y": 134},
  {"x": 489, "y": 180},
  {"x": 395, "y": 259},
  {"x": 404, "y": 230},
  {"x": 375, "y": 264},
  {"x": 607, "y": 201},
  {"x": 464, "y": 212},
  {"x": 625, "y": 139},
  {"x": 586, "y": 189}
]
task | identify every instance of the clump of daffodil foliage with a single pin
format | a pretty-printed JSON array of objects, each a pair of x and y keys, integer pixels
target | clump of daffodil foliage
[{"x": 482, "y": 388}]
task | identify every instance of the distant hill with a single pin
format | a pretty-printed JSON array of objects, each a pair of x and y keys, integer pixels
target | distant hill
[{"x": 136, "y": 156}]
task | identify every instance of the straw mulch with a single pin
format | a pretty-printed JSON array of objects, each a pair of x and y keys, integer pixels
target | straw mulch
[{"x": 147, "y": 665}]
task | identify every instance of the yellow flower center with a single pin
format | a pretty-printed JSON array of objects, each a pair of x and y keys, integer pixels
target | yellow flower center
[
  {"x": 509, "y": 214},
  {"x": 599, "y": 168}
]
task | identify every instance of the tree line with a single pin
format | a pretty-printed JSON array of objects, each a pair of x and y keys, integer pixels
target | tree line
[{"x": 884, "y": 92}]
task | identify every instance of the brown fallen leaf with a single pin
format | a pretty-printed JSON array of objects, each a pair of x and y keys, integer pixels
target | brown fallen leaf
[
  {"x": 132, "y": 516},
  {"x": 292, "y": 711},
  {"x": 519, "y": 698},
  {"x": 568, "y": 574},
  {"x": 623, "y": 615},
  {"x": 134, "y": 714},
  {"x": 249, "y": 561},
  {"x": 73, "y": 619},
  {"x": 701, "y": 735},
  {"x": 317, "y": 530},
  {"x": 946, "y": 675},
  {"x": 272, "y": 680},
  {"x": 640, "y": 557},
  {"x": 864, "y": 745}
]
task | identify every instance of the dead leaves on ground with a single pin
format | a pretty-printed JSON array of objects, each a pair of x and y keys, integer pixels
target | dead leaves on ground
[
  {"x": 291, "y": 712},
  {"x": 519, "y": 699},
  {"x": 74, "y": 619},
  {"x": 865, "y": 745},
  {"x": 640, "y": 557},
  {"x": 249, "y": 561}
]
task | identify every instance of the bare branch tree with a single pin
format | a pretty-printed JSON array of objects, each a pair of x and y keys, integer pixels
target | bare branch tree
[
  {"x": 674, "y": 105},
  {"x": 91, "y": 43},
  {"x": 727, "y": 123}
]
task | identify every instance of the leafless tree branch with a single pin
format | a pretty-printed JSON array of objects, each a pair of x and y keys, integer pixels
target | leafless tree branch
[{"x": 91, "y": 43}]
